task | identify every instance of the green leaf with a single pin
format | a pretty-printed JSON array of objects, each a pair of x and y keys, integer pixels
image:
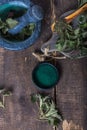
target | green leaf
[
  {"x": 57, "y": 116},
  {"x": 4, "y": 30},
  {"x": 29, "y": 29},
  {"x": 11, "y": 22},
  {"x": 51, "y": 121},
  {"x": 84, "y": 51},
  {"x": 1, "y": 24},
  {"x": 47, "y": 109},
  {"x": 84, "y": 35},
  {"x": 56, "y": 122},
  {"x": 51, "y": 113},
  {"x": 32, "y": 26},
  {"x": 7, "y": 93},
  {"x": 70, "y": 38},
  {"x": 33, "y": 98},
  {"x": 1, "y": 104},
  {"x": 76, "y": 31},
  {"x": 59, "y": 47}
]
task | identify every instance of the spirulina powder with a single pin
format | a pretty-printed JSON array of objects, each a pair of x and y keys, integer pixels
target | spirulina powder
[{"x": 45, "y": 75}]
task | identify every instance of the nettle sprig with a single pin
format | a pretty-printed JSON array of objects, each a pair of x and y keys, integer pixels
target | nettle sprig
[
  {"x": 47, "y": 109},
  {"x": 4, "y": 93},
  {"x": 70, "y": 38}
]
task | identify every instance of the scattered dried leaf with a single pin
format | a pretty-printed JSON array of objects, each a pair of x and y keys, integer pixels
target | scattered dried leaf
[
  {"x": 70, "y": 126},
  {"x": 40, "y": 57}
]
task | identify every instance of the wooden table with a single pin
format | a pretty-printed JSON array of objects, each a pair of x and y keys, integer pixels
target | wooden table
[{"x": 16, "y": 68}]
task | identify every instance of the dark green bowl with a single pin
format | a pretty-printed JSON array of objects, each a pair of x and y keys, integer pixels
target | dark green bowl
[{"x": 45, "y": 76}]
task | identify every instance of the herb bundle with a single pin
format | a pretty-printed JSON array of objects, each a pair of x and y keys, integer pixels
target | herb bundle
[
  {"x": 72, "y": 38},
  {"x": 47, "y": 109}
]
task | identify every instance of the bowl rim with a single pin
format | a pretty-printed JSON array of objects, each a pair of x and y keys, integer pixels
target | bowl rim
[{"x": 49, "y": 87}]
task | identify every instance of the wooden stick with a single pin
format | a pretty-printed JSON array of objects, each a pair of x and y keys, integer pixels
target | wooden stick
[{"x": 70, "y": 17}]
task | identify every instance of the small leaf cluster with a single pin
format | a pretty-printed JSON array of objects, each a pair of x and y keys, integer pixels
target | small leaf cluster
[
  {"x": 71, "y": 38},
  {"x": 4, "y": 93},
  {"x": 47, "y": 109},
  {"x": 8, "y": 24},
  {"x": 11, "y": 23}
]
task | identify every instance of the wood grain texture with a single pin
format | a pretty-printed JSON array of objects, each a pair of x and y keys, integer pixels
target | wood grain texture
[
  {"x": 16, "y": 73},
  {"x": 19, "y": 112},
  {"x": 71, "y": 91}
]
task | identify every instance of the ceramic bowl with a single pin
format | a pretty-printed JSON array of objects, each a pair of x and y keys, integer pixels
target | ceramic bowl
[
  {"x": 23, "y": 21},
  {"x": 45, "y": 76}
]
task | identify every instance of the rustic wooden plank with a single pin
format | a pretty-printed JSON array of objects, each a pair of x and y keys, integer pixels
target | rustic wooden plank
[
  {"x": 71, "y": 90},
  {"x": 16, "y": 69},
  {"x": 84, "y": 72},
  {"x": 19, "y": 112},
  {"x": 71, "y": 97},
  {"x": 16, "y": 73}
]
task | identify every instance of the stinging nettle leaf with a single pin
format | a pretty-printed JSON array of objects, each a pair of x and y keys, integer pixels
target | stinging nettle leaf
[
  {"x": 1, "y": 104},
  {"x": 33, "y": 98},
  {"x": 7, "y": 93},
  {"x": 47, "y": 110},
  {"x": 11, "y": 22}
]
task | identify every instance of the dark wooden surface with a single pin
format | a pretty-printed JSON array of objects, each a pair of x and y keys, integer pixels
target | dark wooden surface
[{"x": 15, "y": 72}]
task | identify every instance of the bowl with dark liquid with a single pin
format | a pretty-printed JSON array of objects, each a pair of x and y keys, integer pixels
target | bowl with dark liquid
[{"x": 45, "y": 76}]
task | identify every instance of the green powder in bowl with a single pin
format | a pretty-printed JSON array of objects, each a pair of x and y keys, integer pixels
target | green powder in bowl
[{"x": 45, "y": 75}]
